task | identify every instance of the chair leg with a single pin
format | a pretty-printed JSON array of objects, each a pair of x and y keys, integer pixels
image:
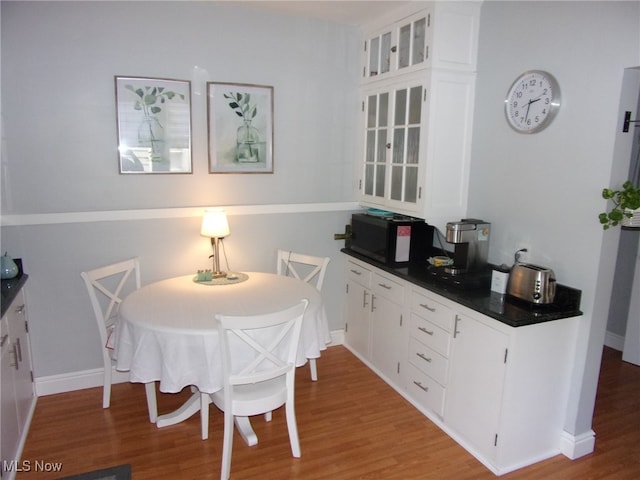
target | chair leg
[
  {"x": 293, "y": 429},
  {"x": 314, "y": 369},
  {"x": 227, "y": 445},
  {"x": 204, "y": 415},
  {"x": 152, "y": 404},
  {"x": 106, "y": 389}
]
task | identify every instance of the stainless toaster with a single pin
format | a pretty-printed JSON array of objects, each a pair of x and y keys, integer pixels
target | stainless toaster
[{"x": 532, "y": 283}]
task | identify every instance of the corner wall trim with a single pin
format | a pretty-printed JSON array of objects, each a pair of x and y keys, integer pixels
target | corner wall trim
[
  {"x": 576, "y": 446},
  {"x": 155, "y": 213}
]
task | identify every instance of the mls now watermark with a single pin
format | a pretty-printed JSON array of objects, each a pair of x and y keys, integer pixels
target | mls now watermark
[{"x": 31, "y": 466}]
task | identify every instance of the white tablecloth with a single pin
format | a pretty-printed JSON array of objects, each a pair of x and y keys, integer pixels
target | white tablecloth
[{"x": 167, "y": 333}]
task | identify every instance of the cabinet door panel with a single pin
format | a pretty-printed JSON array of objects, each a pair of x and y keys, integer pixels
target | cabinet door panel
[
  {"x": 386, "y": 337},
  {"x": 428, "y": 361},
  {"x": 431, "y": 335},
  {"x": 357, "y": 334},
  {"x": 426, "y": 391},
  {"x": 476, "y": 378}
]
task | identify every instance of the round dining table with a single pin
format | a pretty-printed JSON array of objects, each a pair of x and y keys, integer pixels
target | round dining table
[{"x": 166, "y": 331}]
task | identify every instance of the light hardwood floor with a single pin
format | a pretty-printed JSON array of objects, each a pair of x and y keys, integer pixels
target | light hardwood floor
[{"x": 352, "y": 426}]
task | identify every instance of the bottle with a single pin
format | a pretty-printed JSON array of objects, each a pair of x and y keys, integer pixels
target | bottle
[{"x": 8, "y": 268}]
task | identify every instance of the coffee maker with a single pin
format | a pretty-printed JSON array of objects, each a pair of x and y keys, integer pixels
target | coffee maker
[{"x": 470, "y": 238}]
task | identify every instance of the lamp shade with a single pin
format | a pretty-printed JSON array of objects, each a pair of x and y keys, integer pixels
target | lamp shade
[{"x": 214, "y": 223}]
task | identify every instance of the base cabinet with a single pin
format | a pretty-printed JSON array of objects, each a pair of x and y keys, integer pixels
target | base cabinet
[
  {"x": 498, "y": 391},
  {"x": 474, "y": 394},
  {"x": 18, "y": 391},
  {"x": 388, "y": 342}
]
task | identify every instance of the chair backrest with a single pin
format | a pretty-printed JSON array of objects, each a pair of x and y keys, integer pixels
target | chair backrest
[
  {"x": 110, "y": 282},
  {"x": 308, "y": 268},
  {"x": 258, "y": 348}
]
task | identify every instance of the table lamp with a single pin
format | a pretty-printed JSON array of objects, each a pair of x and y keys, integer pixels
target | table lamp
[{"x": 215, "y": 225}]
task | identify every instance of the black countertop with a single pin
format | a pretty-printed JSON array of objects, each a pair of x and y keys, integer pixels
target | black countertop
[
  {"x": 476, "y": 294},
  {"x": 11, "y": 287}
]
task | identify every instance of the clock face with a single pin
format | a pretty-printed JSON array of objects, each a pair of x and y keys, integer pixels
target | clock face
[{"x": 532, "y": 101}]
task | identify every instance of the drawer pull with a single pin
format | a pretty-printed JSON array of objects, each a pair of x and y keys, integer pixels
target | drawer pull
[
  {"x": 428, "y": 332},
  {"x": 364, "y": 299},
  {"x": 387, "y": 287},
  {"x": 421, "y": 387},
  {"x": 18, "y": 350},
  {"x": 5, "y": 337},
  {"x": 431, "y": 309},
  {"x": 356, "y": 272},
  {"x": 424, "y": 357}
]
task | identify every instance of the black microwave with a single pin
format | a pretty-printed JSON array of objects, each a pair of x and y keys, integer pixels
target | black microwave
[{"x": 392, "y": 240}]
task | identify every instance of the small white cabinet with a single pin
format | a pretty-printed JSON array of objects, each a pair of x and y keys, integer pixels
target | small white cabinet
[
  {"x": 358, "y": 307},
  {"x": 18, "y": 392},
  {"x": 388, "y": 340},
  {"x": 440, "y": 35}
]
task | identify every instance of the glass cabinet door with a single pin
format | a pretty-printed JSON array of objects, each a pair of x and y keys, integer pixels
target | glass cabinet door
[
  {"x": 377, "y": 144},
  {"x": 406, "y": 144},
  {"x": 379, "y": 61},
  {"x": 412, "y": 37},
  {"x": 393, "y": 120}
]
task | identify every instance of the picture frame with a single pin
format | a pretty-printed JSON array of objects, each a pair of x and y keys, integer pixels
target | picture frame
[
  {"x": 240, "y": 127},
  {"x": 154, "y": 125}
]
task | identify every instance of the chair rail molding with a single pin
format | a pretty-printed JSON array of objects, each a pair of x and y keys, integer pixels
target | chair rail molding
[{"x": 155, "y": 213}]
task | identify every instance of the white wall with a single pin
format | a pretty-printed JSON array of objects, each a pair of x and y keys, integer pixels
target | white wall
[
  {"x": 539, "y": 191},
  {"x": 542, "y": 191},
  {"x": 65, "y": 207}
]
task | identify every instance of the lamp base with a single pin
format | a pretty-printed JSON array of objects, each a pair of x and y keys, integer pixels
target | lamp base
[{"x": 219, "y": 274}]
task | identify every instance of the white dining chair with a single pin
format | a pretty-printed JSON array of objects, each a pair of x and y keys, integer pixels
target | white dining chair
[
  {"x": 308, "y": 268},
  {"x": 258, "y": 371},
  {"x": 107, "y": 286}
]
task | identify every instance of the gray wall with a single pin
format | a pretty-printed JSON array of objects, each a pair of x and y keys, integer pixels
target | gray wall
[
  {"x": 65, "y": 207},
  {"x": 542, "y": 191}
]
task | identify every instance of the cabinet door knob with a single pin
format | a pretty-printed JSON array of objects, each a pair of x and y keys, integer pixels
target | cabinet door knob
[
  {"x": 388, "y": 145},
  {"x": 394, "y": 49}
]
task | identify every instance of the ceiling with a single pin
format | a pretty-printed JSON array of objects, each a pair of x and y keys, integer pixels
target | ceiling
[{"x": 351, "y": 12}]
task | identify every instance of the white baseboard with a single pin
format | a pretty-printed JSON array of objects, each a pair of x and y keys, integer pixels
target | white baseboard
[
  {"x": 576, "y": 446},
  {"x": 69, "y": 382},
  {"x": 614, "y": 341}
]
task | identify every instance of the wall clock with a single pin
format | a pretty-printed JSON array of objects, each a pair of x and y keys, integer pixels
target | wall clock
[{"x": 532, "y": 101}]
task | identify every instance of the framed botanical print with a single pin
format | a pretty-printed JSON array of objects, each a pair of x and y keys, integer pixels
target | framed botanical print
[
  {"x": 240, "y": 125},
  {"x": 154, "y": 125}
]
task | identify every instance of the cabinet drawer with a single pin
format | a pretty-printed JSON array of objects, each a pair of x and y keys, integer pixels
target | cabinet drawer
[
  {"x": 425, "y": 390},
  {"x": 428, "y": 361},
  {"x": 430, "y": 335},
  {"x": 387, "y": 288},
  {"x": 433, "y": 311},
  {"x": 359, "y": 274}
]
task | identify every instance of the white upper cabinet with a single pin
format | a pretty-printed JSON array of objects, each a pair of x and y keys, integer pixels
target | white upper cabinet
[
  {"x": 417, "y": 110},
  {"x": 439, "y": 35}
]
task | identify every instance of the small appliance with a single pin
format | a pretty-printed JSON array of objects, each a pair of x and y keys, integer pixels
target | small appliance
[
  {"x": 391, "y": 239},
  {"x": 470, "y": 238},
  {"x": 532, "y": 283}
]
